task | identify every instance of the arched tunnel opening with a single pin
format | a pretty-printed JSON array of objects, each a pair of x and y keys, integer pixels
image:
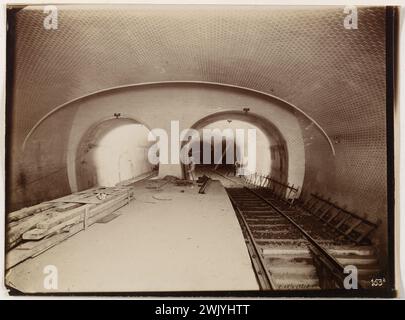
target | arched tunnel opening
[
  {"x": 112, "y": 152},
  {"x": 223, "y": 147},
  {"x": 239, "y": 144}
]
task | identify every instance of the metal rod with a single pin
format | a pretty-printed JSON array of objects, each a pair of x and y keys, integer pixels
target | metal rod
[
  {"x": 204, "y": 185},
  {"x": 345, "y": 211}
]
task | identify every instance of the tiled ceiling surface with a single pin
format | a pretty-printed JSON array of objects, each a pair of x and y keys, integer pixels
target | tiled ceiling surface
[{"x": 302, "y": 55}]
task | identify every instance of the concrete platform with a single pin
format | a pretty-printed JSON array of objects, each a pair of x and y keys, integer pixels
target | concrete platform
[{"x": 170, "y": 238}]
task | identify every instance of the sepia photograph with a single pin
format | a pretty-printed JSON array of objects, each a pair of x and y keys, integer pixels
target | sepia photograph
[{"x": 210, "y": 150}]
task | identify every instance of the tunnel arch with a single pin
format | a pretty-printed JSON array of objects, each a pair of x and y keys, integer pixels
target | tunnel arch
[
  {"x": 153, "y": 105},
  {"x": 85, "y": 164},
  {"x": 180, "y": 82},
  {"x": 277, "y": 142}
]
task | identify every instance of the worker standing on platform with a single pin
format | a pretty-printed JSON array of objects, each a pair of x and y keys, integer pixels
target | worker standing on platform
[
  {"x": 191, "y": 167},
  {"x": 238, "y": 169}
]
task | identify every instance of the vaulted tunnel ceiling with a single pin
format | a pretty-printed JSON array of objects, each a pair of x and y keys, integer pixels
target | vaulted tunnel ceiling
[{"x": 302, "y": 55}]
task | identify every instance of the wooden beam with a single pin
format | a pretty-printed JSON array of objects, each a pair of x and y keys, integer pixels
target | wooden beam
[
  {"x": 26, "y": 212},
  {"x": 33, "y": 248}
]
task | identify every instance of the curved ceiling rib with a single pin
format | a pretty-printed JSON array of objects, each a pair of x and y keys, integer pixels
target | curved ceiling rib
[{"x": 303, "y": 113}]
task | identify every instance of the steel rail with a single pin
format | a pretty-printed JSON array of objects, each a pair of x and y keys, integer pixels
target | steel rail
[
  {"x": 263, "y": 273},
  {"x": 328, "y": 260},
  {"x": 220, "y": 174},
  {"x": 338, "y": 268}
]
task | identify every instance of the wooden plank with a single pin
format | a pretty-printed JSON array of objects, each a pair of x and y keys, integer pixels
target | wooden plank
[
  {"x": 73, "y": 199},
  {"x": 67, "y": 206},
  {"x": 81, "y": 201},
  {"x": 91, "y": 198},
  {"x": 16, "y": 231},
  {"x": 69, "y": 198},
  {"x": 27, "y": 245},
  {"x": 28, "y": 250},
  {"x": 16, "y": 256},
  {"x": 86, "y": 201},
  {"x": 106, "y": 207},
  {"x": 25, "y": 212},
  {"x": 77, "y": 196},
  {"x": 37, "y": 234},
  {"x": 62, "y": 217},
  {"x": 55, "y": 212}
]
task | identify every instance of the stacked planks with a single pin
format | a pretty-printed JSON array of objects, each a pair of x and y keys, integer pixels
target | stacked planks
[{"x": 33, "y": 230}]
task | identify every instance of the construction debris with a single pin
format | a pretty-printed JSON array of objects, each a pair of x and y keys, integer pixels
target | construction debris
[
  {"x": 33, "y": 230},
  {"x": 203, "y": 183},
  {"x": 161, "y": 196},
  {"x": 170, "y": 178},
  {"x": 108, "y": 218},
  {"x": 185, "y": 183}
]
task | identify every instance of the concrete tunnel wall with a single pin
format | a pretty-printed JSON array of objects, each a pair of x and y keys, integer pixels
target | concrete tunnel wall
[
  {"x": 152, "y": 105},
  {"x": 155, "y": 106},
  {"x": 355, "y": 178},
  {"x": 48, "y": 159}
]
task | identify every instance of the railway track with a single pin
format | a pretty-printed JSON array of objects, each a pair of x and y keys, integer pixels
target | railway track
[{"x": 291, "y": 250}]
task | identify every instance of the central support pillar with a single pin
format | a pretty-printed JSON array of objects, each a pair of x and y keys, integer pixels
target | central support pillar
[
  {"x": 170, "y": 165},
  {"x": 170, "y": 170}
]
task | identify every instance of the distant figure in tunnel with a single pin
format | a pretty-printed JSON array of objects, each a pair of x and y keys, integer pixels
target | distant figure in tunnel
[
  {"x": 191, "y": 168},
  {"x": 238, "y": 169}
]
